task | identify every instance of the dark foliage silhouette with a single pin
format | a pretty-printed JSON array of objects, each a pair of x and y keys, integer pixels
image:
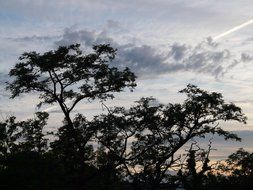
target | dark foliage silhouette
[
  {"x": 236, "y": 172},
  {"x": 66, "y": 76},
  {"x": 135, "y": 148},
  {"x": 158, "y": 131}
]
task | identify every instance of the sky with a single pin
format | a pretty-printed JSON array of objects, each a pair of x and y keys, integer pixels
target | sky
[{"x": 168, "y": 44}]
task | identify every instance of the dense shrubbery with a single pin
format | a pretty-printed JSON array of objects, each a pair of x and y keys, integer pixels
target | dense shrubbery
[{"x": 134, "y": 148}]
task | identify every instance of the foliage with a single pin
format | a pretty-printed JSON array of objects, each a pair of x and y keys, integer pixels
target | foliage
[
  {"x": 66, "y": 76},
  {"x": 135, "y": 148},
  {"x": 26, "y": 135},
  {"x": 192, "y": 174},
  {"x": 65, "y": 147},
  {"x": 9, "y": 134},
  {"x": 33, "y": 138},
  {"x": 144, "y": 140}
]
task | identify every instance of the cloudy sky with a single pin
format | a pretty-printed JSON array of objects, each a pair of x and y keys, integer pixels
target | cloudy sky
[{"x": 168, "y": 44}]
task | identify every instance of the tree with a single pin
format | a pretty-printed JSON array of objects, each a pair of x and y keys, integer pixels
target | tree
[
  {"x": 18, "y": 136},
  {"x": 66, "y": 76},
  {"x": 32, "y": 134},
  {"x": 145, "y": 139},
  {"x": 238, "y": 164},
  {"x": 9, "y": 134},
  {"x": 23, "y": 148},
  {"x": 65, "y": 147},
  {"x": 233, "y": 173},
  {"x": 193, "y": 172}
]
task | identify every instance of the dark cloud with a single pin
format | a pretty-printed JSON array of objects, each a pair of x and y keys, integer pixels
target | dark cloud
[
  {"x": 85, "y": 37},
  {"x": 143, "y": 60},
  {"x": 33, "y": 38},
  {"x": 246, "y": 57},
  {"x": 177, "y": 51},
  {"x": 210, "y": 42},
  {"x": 147, "y": 61},
  {"x": 203, "y": 58},
  {"x": 112, "y": 24}
]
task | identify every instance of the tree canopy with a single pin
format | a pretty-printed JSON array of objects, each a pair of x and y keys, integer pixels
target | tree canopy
[
  {"x": 68, "y": 73},
  {"x": 144, "y": 140},
  {"x": 66, "y": 76},
  {"x": 134, "y": 148}
]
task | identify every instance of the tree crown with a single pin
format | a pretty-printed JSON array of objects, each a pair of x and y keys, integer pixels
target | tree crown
[{"x": 69, "y": 74}]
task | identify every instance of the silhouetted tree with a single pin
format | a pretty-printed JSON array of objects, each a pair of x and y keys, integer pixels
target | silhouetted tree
[
  {"x": 65, "y": 147},
  {"x": 193, "y": 173},
  {"x": 32, "y": 134},
  {"x": 23, "y": 159},
  {"x": 145, "y": 139},
  {"x": 66, "y": 76},
  {"x": 137, "y": 146},
  {"x": 17, "y": 136},
  {"x": 240, "y": 163},
  {"x": 9, "y": 134},
  {"x": 233, "y": 173}
]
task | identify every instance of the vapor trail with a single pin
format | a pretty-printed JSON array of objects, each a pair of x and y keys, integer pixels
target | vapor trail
[{"x": 236, "y": 28}]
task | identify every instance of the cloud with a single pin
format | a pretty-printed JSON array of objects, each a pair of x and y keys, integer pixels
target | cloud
[
  {"x": 33, "y": 38},
  {"x": 205, "y": 57},
  {"x": 148, "y": 61},
  {"x": 85, "y": 37},
  {"x": 143, "y": 60},
  {"x": 247, "y": 101},
  {"x": 177, "y": 51},
  {"x": 112, "y": 24},
  {"x": 246, "y": 57},
  {"x": 32, "y": 25}
]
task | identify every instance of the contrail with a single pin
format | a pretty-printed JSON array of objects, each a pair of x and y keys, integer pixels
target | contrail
[{"x": 236, "y": 28}]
